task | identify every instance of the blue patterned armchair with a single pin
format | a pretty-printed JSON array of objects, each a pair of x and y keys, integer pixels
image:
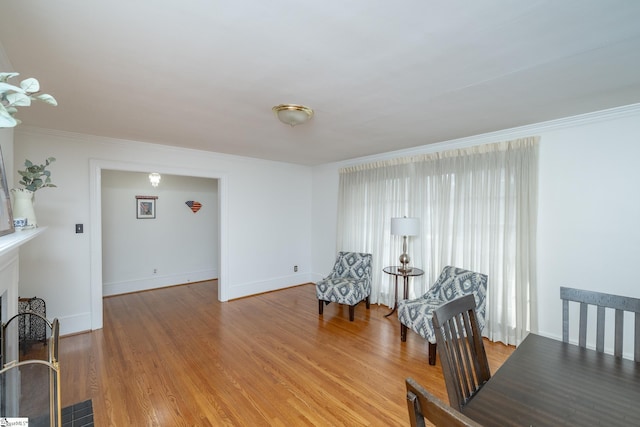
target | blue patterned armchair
[
  {"x": 453, "y": 283},
  {"x": 348, "y": 283}
]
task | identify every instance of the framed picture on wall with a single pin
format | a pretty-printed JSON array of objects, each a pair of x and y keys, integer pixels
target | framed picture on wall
[
  {"x": 146, "y": 207},
  {"x": 6, "y": 215}
]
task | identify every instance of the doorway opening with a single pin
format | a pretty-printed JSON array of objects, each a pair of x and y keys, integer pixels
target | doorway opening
[{"x": 97, "y": 167}]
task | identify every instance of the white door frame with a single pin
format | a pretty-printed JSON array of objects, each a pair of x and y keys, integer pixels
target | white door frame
[{"x": 96, "y": 166}]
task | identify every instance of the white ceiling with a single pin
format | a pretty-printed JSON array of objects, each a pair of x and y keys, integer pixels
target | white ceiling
[{"x": 381, "y": 75}]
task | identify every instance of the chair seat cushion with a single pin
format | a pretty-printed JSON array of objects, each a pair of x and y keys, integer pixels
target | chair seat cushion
[
  {"x": 417, "y": 314},
  {"x": 342, "y": 290}
]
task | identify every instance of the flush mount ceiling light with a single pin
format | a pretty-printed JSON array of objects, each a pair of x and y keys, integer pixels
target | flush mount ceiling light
[{"x": 292, "y": 114}]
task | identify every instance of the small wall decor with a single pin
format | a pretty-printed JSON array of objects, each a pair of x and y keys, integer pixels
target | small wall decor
[
  {"x": 146, "y": 207},
  {"x": 195, "y": 206}
]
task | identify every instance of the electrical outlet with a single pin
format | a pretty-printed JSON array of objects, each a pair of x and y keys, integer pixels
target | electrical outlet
[
  {"x": 295, "y": 268},
  {"x": 79, "y": 228},
  {"x": 155, "y": 270}
]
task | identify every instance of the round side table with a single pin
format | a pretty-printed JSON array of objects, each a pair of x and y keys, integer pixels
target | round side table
[{"x": 398, "y": 272}]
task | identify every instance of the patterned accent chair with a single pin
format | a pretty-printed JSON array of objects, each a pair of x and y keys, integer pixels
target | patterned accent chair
[
  {"x": 348, "y": 283},
  {"x": 453, "y": 283}
]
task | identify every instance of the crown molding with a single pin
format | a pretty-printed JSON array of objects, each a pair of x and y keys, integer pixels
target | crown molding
[{"x": 503, "y": 135}]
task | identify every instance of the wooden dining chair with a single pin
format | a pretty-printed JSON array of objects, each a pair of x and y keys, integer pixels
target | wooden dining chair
[
  {"x": 424, "y": 405},
  {"x": 464, "y": 361},
  {"x": 602, "y": 301}
]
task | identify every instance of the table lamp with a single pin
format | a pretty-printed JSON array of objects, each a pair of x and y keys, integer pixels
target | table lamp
[{"x": 405, "y": 227}]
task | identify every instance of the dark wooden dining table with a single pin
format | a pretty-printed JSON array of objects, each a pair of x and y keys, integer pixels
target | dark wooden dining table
[{"x": 546, "y": 382}]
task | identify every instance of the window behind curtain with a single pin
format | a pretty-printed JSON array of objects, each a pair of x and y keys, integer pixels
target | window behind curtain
[{"x": 478, "y": 211}]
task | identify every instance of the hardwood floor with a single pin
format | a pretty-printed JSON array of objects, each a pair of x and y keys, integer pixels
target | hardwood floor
[{"x": 178, "y": 357}]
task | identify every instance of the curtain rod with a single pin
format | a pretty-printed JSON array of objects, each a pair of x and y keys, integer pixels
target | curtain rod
[{"x": 458, "y": 152}]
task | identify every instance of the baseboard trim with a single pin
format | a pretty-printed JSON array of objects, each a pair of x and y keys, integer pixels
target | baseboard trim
[{"x": 127, "y": 287}]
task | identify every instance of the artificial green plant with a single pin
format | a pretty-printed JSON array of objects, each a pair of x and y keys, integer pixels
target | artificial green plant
[{"x": 35, "y": 177}]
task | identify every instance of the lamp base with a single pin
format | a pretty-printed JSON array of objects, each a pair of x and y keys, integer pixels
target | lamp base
[
  {"x": 404, "y": 259},
  {"x": 405, "y": 269}
]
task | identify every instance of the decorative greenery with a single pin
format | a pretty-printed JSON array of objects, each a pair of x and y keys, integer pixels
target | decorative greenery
[
  {"x": 35, "y": 177},
  {"x": 13, "y": 96}
]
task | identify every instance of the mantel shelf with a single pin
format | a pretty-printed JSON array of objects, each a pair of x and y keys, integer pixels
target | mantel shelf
[{"x": 18, "y": 238}]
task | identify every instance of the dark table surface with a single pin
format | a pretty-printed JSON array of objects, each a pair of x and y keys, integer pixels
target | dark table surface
[{"x": 546, "y": 382}]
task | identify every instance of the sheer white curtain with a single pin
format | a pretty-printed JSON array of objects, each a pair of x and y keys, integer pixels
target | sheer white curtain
[{"x": 478, "y": 210}]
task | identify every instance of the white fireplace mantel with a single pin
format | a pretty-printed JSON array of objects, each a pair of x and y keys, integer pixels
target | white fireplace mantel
[
  {"x": 18, "y": 238},
  {"x": 9, "y": 245},
  {"x": 9, "y": 268}
]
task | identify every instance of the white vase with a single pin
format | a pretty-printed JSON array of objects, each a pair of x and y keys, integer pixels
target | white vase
[{"x": 23, "y": 206}]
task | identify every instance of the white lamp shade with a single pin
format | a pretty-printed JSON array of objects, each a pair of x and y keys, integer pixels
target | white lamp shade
[{"x": 405, "y": 226}]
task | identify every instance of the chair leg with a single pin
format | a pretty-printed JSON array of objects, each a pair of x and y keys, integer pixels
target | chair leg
[
  {"x": 367, "y": 301},
  {"x": 432, "y": 353},
  {"x": 320, "y": 306},
  {"x": 352, "y": 312},
  {"x": 403, "y": 332}
]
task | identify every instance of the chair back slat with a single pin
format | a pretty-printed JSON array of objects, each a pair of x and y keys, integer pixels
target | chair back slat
[
  {"x": 619, "y": 329},
  {"x": 467, "y": 369},
  {"x": 583, "y": 324},
  {"x": 464, "y": 362},
  {"x": 565, "y": 320},
  {"x": 602, "y": 301},
  {"x": 600, "y": 329},
  {"x": 456, "y": 360},
  {"x": 636, "y": 345}
]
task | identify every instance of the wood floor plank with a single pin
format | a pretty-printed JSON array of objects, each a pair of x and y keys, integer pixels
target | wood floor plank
[{"x": 178, "y": 357}]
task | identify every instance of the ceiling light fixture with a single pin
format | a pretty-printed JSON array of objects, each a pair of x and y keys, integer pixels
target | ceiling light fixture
[
  {"x": 154, "y": 178},
  {"x": 292, "y": 114}
]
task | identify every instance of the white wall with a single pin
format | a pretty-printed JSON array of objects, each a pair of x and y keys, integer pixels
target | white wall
[
  {"x": 139, "y": 254},
  {"x": 588, "y": 210},
  {"x": 325, "y": 218},
  {"x": 589, "y": 205},
  {"x": 266, "y": 218}
]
